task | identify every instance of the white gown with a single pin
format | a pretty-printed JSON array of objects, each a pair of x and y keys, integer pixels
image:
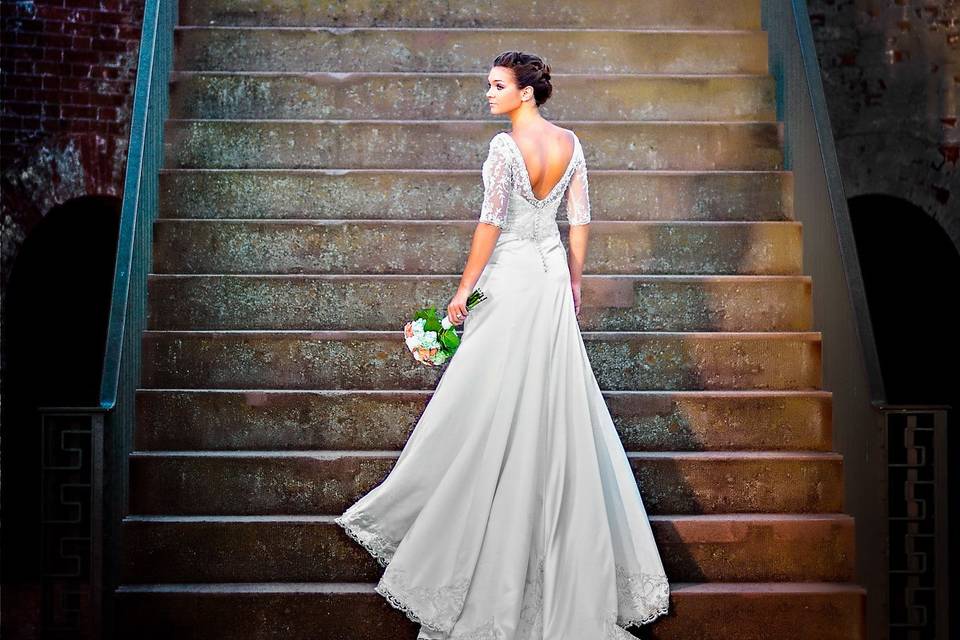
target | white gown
[{"x": 512, "y": 512}]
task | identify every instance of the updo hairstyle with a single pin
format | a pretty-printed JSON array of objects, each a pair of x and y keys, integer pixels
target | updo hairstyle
[{"x": 530, "y": 71}]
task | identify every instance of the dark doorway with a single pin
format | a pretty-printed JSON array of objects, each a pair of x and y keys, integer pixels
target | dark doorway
[
  {"x": 54, "y": 325},
  {"x": 911, "y": 272}
]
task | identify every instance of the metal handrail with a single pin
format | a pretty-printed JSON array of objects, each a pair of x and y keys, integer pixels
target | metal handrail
[
  {"x": 849, "y": 357},
  {"x": 120, "y": 376},
  {"x": 139, "y": 186}
]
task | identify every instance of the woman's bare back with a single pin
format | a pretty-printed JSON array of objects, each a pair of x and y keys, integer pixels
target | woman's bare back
[{"x": 546, "y": 158}]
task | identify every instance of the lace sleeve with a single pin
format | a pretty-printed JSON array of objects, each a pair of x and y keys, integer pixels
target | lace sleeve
[
  {"x": 497, "y": 184},
  {"x": 578, "y": 195}
]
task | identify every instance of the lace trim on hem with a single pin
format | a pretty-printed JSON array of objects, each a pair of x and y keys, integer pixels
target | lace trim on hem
[
  {"x": 397, "y": 603},
  {"x": 653, "y": 615},
  {"x": 643, "y": 592},
  {"x": 361, "y": 532},
  {"x": 358, "y": 527},
  {"x": 646, "y": 592}
]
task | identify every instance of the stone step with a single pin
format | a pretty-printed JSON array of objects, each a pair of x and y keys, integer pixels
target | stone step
[
  {"x": 461, "y": 144},
  {"x": 448, "y": 96},
  {"x": 170, "y": 419},
  {"x": 354, "y": 611},
  {"x": 469, "y": 50},
  {"x": 722, "y": 548},
  {"x": 620, "y": 360},
  {"x": 727, "y": 14},
  {"x": 439, "y": 246},
  {"x": 386, "y": 302},
  {"x": 421, "y": 194},
  {"x": 310, "y": 482}
]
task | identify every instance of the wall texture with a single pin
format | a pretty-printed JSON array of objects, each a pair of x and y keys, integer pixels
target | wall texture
[
  {"x": 67, "y": 69},
  {"x": 891, "y": 69},
  {"x": 66, "y": 83}
]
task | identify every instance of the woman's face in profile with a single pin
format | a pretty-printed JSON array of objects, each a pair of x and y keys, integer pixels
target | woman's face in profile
[{"x": 503, "y": 96}]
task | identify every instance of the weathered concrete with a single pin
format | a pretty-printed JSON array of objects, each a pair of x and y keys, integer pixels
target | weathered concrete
[
  {"x": 724, "y": 548},
  {"x": 439, "y": 247},
  {"x": 470, "y": 50},
  {"x": 439, "y": 96},
  {"x": 311, "y": 482},
  {"x": 201, "y": 420},
  {"x": 716, "y": 14},
  {"x": 380, "y": 360},
  {"x": 456, "y": 194},
  {"x": 307, "y": 611},
  {"x": 418, "y": 144},
  {"x": 385, "y": 302}
]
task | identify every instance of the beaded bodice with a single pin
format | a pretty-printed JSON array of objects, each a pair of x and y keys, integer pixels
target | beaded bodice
[{"x": 509, "y": 202}]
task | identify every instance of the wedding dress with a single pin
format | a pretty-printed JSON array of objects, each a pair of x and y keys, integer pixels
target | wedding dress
[{"x": 512, "y": 512}]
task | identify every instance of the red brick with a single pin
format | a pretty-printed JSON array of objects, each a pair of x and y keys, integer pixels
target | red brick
[
  {"x": 22, "y": 108},
  {"x": 10, "y": 121},
  {"x": 80, "y": 29},
  {"x": 73, "y": 111},
  {"x": 24, "y": 66},
  {"x": 52, "y": 55},
  {"x": 52, "y": 26},
  {"x": 107, "y": 99},
  {"x": 75, "y": 97},
  {"x": 111, "y": 46}
]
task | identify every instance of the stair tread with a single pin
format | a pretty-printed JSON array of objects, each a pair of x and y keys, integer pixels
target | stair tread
[
  {"x": 176, "y": 170},
  {"x": 389, "y": 453},
  {"x": 334, "y": 334},
  {"x": 471, "y": 29},
  {"x": 680, "y": 277},
  {"x": 328, "y": 518},
  {"x": 698, "y": 393},
  {"x": 368, "y": 587},
  {"x": 177, "y": 73}
]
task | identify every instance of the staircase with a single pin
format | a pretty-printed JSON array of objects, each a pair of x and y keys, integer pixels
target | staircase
[{"x": 322, "y": 179}]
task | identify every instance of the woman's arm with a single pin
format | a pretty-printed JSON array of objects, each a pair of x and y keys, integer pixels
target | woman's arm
[
  {"x": 481, "y": 248},
  {"x": 578, "y": 217},
  {"x": 577, "y": 255},
  {"x": 497, "y": 185}
]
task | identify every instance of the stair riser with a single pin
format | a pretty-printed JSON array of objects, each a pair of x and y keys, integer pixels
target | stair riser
[
  {"x": 308, "y": 616},
  {"x": 793, "y": 550},
  {"x": 456, "y": 195},
  {"x": 350, "y": 302},
  {"x": 453, "y": 97},
  {"x": 174, "y": 420},
  {"x": 306, "y": 485},
  {"x": 717, "y": 14},
  {"x": 319, "y": 361},
  {"x": 222, "y": 247},
  {"x": 277, "y": 144},
  {"x": 473, "y": 51}
]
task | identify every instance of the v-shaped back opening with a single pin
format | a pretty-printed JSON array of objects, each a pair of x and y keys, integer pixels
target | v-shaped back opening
[{"x": 526, "y": 173}]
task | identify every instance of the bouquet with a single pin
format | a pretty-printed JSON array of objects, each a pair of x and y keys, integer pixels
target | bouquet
[{"x": 433, "y": 340}]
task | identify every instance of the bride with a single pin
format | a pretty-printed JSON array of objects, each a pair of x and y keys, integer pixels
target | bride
[{"x": 512, "y": 512}]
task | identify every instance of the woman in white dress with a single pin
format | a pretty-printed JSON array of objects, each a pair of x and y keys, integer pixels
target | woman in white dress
[{"x": 512, "y": 512}]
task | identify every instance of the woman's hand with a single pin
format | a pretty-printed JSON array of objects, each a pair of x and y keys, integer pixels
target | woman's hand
[
  {"x": 575, "y": 287},
  {"x": 457, "y": 309}
]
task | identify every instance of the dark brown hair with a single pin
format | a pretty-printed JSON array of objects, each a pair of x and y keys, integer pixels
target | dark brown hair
[{"x": 530, "y": 71}]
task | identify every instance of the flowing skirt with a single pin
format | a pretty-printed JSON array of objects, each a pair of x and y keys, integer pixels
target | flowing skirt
[{"x": 512, "y": 512}]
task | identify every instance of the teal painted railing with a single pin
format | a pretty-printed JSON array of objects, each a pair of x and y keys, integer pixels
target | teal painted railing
[
  {"x": 127, "y": 320},
  {"x": 861, "y": 414}
]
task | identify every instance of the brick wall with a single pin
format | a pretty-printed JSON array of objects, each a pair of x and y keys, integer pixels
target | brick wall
[
  {"x": 66, "y": 85},
  {"x": 891, "y": 73}
]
